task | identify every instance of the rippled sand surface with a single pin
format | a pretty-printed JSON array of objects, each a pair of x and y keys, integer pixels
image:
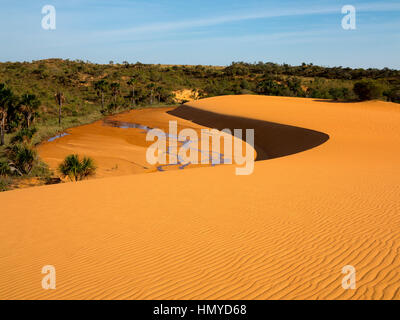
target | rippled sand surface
[{"x": 284, "y": 232}]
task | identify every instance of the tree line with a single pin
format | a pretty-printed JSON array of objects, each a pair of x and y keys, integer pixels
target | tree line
[
  {"x": 53, "y": 89},
  {"x": 16, "y": 111}
]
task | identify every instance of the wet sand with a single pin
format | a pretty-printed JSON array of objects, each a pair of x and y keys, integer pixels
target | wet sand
[{"x": 117, "y": 144}]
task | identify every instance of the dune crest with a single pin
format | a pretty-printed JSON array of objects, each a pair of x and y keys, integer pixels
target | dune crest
[
  {"x": 272, "y": 140},
  {"x": 284, "y": 232}
]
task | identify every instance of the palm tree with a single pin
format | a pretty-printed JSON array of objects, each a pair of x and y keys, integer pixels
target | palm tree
[
  {"x": 115, "y": 89},
  {"x": 101, "y": 86},
  {"x": 29, "y": 105},
  {"x": 151, "y": 87},
  {"x": 22, "y": 158},
  {"x": 159, "y": 91},
  {"x": 75, "y": 169},
  {"x": 24, "y": 135},
  {"x": 6, "y": 99},
  {"x": 60, "y": 98},
  {"x": 132, "y": 83}
]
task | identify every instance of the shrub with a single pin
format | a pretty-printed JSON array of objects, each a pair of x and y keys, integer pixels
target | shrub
[
  {"x": 394, "y": 95},
  {"x": 76, "y": 169},
  {"x": 340, "y": 93},
  {"x": 110, "y": 109},
  {"x": 22, "y": 158},
  {"x": 24, "y": 135},
  {"x": 5, "y": 183},
  {"x": 4, "y": 168},
  {"x": 368, "y": 90},
  {"x": 42, "y": 171}
]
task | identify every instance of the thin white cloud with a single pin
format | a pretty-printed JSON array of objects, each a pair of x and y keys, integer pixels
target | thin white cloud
[{"x": 207, "y": 22}]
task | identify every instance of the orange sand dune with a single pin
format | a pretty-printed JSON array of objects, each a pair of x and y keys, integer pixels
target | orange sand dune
[
  {"x": 284, "y": 232},
  {"x": 116, "y": 151}
]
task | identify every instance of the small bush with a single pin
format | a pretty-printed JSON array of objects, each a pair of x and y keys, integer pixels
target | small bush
[
  {"x": 24, "y": 135},
  {"x": 393, "y": 95},
  {"x": 340, "y": 94},
  {"x": 42, "y": 171},
  {"x": 4, "y": 168},
  {"x": 110, "y": 109},
  {"x": 368, "y": 90},
  {"x": 22, "y": 158},
  {"x": 76, "y": 169},
  {"x": 5, "y": 183}
]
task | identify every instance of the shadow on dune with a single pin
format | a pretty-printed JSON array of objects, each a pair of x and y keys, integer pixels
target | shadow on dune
[{"x": 272, "y": 140}]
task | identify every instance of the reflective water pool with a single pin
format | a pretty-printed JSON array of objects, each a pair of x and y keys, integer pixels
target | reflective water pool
[
  {"x": 214, "y": 158},
  {"x": 58, "y": 136}
]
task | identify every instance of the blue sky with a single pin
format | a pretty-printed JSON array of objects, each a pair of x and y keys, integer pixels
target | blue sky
[{"x": 206, "y": 32}]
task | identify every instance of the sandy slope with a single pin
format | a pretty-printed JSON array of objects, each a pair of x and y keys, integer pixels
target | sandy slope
[
  {"x": 284, "y": 232},
  {"x": 117, "y": 151}
]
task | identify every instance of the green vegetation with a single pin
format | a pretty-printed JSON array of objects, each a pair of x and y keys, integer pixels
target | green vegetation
[
  {"x": 5, "y": 169},
  {"x": 77, "y": 89},
  {"x": 29, "y": 105},
  {"x": 6, "y": 105},
  {"x": 25, "y": 135},
  {"x": 40, "y": 99},
  {"x": 89, "y": 88},
  {"x": 368, "y": 90},
  {"x": 19, "y": 160},
  {"x": 75, "y": 169},
  {"x": 5, "y": 183}
]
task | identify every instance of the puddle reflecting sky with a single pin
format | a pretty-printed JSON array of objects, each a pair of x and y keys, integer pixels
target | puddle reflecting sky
[{"x": 217, "y": 158}]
